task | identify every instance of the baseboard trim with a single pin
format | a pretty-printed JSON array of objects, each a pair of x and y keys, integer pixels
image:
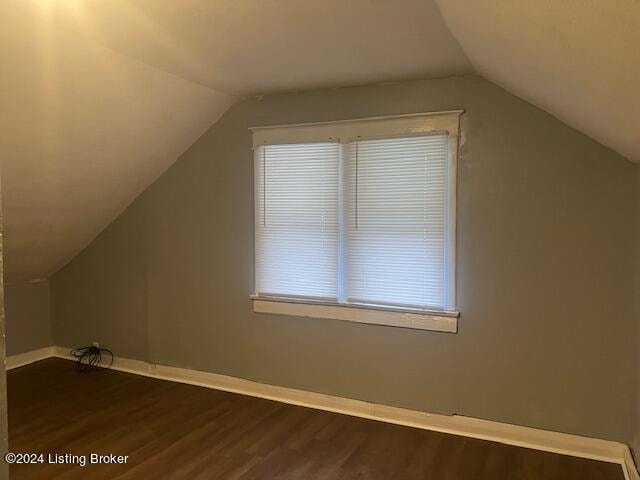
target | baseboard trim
[
  {"x": 548, "y": 441},
  {"x": 629, "y": 467},
  {"x": 22, "y": 359}
]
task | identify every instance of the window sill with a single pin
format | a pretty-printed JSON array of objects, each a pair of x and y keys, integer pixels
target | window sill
[{"x": 414, "y": 319}]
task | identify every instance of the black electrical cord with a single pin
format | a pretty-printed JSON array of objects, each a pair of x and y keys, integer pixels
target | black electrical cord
[{"x": 91, "y": 357}]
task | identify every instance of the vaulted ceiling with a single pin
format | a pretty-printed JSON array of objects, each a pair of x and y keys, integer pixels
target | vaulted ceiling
[
  {"x": 83, "y": 130},
  {"x": 258, "y": 46},
  {"x": 98, "y": 98},
  {"x": 576, "y": 59}
]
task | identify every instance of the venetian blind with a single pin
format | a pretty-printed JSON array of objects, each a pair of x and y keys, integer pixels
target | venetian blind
[{"x": 297, "y": 220}]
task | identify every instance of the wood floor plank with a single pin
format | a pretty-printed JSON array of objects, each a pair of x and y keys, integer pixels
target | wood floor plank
[{"x": 176, "y": 431}]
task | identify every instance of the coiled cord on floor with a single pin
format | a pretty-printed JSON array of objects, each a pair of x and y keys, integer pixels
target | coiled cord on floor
[{"x": 91, "y": 357}]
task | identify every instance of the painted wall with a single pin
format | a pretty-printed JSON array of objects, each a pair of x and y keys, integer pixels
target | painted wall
[
  {"x": 545, "y": 286},
  {"x": 28, "y": 323},
  {"x": 102, "y": 295}
]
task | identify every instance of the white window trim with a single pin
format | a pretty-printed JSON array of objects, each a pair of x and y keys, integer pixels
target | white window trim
[
  {"x": 347, "y": 131},
  {"x": 359, "y": 313}
]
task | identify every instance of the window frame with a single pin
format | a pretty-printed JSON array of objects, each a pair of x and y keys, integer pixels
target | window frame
[{"x": 345, "y": 132}]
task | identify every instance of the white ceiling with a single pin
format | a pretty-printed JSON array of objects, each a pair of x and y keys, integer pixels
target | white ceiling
[
  {"x": 576, "y": 59},
  {"x": 83, "y": 130},
  {"x": 99, "y": 97},
  {"x": 257, "y": 46}
]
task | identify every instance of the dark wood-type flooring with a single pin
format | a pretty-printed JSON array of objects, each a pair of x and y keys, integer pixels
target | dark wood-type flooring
[{"x": 170, "y": 430}]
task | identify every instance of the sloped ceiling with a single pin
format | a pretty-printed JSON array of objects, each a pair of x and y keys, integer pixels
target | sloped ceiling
[
  {"x": 258, "y": 46},
  {"x": 83, "y": 130},
  {"x": 577, "y": 59},
  {"x": 98, "y": 98}
]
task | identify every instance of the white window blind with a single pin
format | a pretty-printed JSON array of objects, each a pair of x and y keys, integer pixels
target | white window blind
[
  {"x": 358, "y": 212},
  {"x": 396, "y": 232},
  {"x": 297, "y": 220}
]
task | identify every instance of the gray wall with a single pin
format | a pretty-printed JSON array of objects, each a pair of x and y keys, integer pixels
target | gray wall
[
  {"x": 28, "y": 326},
  {"x": 545, "y": 285},
  {"x": 102, "y": 294}
]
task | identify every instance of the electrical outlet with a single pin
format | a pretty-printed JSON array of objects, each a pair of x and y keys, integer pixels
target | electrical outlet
[{"x": 96, "y": 344}]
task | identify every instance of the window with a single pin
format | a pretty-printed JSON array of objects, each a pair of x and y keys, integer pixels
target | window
[
  {"x": 355, "y": 220},
  {"x": 297, "y": 220}
]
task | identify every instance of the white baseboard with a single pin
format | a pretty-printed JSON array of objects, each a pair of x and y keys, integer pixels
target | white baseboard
[
  {"x": 630, "y": 469},
  {"x": 21, "y": 359},
  {"x": 562, "y": 443}
]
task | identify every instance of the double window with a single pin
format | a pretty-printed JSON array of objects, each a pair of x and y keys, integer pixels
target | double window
[{"x": 358, "y": 214}]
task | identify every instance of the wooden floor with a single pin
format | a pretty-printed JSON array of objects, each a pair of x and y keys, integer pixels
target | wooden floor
[{"x": 171, "y": 430}]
